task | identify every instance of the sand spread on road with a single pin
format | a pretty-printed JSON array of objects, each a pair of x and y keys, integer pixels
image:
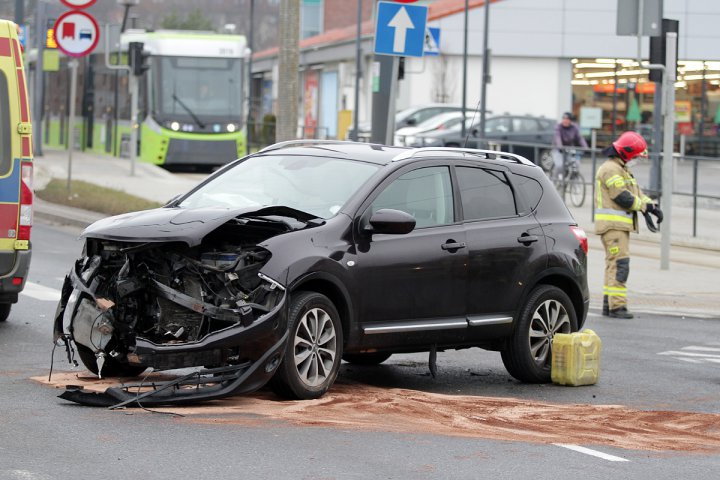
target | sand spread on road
[{"x": 364, "y": 407}]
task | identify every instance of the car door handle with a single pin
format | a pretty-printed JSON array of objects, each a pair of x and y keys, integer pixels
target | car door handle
[
  {"x": 450, "y": 245},
  {"x": 527, "y": 239}
]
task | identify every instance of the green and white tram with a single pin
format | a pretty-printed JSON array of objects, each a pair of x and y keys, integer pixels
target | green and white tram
[
  {"x": 191, "y": 100},
  {"x": 194, "y": 97}
]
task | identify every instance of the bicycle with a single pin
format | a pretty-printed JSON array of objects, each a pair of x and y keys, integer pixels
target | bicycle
[{"x": 571, "y": 182}]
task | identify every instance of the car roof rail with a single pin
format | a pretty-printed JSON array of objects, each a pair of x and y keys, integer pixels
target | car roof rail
[
  {"x": 311, "y": 142},
  {"x": 496, "y": 154}
]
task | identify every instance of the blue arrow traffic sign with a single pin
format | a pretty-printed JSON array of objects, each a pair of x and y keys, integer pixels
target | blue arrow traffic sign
[{"x": 400, "y": 29}]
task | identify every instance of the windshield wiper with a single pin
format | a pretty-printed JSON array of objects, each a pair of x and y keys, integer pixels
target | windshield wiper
[{"x": 187, "y": 109}]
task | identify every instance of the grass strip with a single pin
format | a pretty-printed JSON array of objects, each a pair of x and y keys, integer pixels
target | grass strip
[{"x": 93, "y": 197}]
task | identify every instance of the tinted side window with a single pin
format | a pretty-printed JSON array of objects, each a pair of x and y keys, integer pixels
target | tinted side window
[
  {"x": 485, "y": 194},
  {"x": 530, "y": 187},
  {"x": 524, "y": 125},
  {"x": 497, "y": 125},
  {"x": 425, "y": 193},
  {"x": 426, "y": 114},
  {"x": 5, "y": 127}
]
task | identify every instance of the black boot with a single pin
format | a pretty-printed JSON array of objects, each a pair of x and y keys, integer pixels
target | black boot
[
  {"x": 621, "y": 312},
  {"x": 606, "y": 307}
]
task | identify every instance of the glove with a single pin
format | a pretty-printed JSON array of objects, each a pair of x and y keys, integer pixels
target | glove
[
  {"x": 655, "y": 210},
  {"x": 649, "y": 222}
]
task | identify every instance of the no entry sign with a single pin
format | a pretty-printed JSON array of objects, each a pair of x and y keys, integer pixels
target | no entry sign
[
  {"x": 78, "y": 3},
  {"x": 76, "y": 33}
]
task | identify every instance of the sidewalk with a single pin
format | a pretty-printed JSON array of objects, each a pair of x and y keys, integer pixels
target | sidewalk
[
  {"x": 150, "y": 181},
  {"x": 690, "y": 287}
]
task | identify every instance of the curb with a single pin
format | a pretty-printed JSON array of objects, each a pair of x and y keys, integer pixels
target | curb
[{"x": 65, "y": 215}]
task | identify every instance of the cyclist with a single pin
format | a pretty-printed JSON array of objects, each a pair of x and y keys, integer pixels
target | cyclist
[{"x": 567, "y": 134}]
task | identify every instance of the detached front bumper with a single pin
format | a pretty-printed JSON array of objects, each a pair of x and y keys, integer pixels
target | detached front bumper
[{"x": 251, "y": 351}]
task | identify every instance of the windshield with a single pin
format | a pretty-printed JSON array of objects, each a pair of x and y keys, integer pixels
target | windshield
[
  {"x": 316, "y": 185},
  {"x": 208, "y": 88}
]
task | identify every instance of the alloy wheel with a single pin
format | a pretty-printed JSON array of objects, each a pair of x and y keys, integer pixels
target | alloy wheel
[
  {"x": 315, "y": 347},
  {"x": 548, "y": 319}
]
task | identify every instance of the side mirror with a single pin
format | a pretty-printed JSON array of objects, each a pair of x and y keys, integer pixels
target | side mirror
[
  {"x": 475, "y": 132},
  {"x": 410, "y": 122},
  {"x": 173, "y": 200},
  {"x": 392, "y": 222}
]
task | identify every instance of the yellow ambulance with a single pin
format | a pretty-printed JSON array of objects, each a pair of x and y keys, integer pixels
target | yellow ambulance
[{"x": 16, "y": 170}]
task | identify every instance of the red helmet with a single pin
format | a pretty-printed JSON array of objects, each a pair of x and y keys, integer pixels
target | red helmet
[{"x": 630, "y": 145}]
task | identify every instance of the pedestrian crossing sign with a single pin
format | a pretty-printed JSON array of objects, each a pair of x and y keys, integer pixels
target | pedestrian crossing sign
[{"x": 432, "y": 41}]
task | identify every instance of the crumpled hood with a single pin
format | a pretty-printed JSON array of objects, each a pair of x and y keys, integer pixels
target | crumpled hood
[{"x": 173, "y": 224}]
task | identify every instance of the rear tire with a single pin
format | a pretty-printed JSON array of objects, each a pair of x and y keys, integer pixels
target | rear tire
[
  {"x": 4, "y": 311},
  {"x": 528, "y": 353},
  {"x": 366, "y": 359},
  {"x": 576, "y": 189},
  {"x": 314, "y": 350},
  {"x": 111, "y": 368}
]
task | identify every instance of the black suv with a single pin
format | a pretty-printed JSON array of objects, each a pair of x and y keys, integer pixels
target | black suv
[{"x": 285, "y": 261}]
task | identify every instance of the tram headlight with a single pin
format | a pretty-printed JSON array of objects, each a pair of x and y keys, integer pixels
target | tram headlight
[
  {"x": 231, "y": 127},
  {"x": 175, "y": 126}
]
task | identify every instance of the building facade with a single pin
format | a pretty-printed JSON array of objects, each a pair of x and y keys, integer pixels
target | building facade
[{"x": 548, "y": 57}]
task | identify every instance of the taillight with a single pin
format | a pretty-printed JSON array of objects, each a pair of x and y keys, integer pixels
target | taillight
[
  {"x": 581, "y": 236},
  {"x": 26, "y": 201}
]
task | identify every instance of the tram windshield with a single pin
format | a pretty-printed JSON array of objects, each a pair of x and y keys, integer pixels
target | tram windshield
[{"x": 197, "y": 90}]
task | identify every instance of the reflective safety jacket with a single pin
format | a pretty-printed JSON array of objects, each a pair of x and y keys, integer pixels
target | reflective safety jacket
[{"x": 618, "y": 198}]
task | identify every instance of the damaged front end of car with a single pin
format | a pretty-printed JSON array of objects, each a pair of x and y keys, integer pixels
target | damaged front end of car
[{"x": 131, "y": 305}]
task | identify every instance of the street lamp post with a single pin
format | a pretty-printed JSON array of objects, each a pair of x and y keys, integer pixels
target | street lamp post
[
  {"x": 358, "y": 72},
  {"x": 126, "y": 4}
]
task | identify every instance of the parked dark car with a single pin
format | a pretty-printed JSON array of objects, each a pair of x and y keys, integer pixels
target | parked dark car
[
  {"x": 503, "y": 128},
  {"x": 286, "y": 261}
]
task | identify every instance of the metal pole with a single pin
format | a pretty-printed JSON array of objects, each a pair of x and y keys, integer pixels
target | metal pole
[
  {"x": 390, "y": 132},
  {"x": 655, "y": 166},
  {"x": 593, "y": 156},
  {"x": 667, "y": 169},
  {"x": 40, "y": 25},
  {"x": 614, "y": 110},
  {"x": 116, "y": 88},
  {"x": 71, "y": 121},
  {"x": 358, "y": 73},
  {"x": 249, "y": 124},
  {"x": 486, "y": 69},
  {"x": 133, "y": 86},
  {"x": 19, "y": 11},
  {"x": 695, "y": 188},
  {"x": 703, "y": 111},
  {"x": 464, "y": 72}
]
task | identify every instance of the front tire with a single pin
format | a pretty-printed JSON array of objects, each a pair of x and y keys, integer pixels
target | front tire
[
  {"x": 4, "y": 311},
  {"x": 111, "y": 368},
  {"x": 528, "y": 354},
  {"x": 314, "y": 350},
  {"x": 576, "y": 188}
]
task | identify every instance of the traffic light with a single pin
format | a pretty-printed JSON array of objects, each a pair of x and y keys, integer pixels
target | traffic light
[
  {"x": 138, "y": 58},
  {"x": 657, "y": 48}
]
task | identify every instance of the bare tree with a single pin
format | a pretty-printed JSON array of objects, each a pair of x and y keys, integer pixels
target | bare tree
[
  {"x": 287, "y": 114},
  {"x": 444, "y": 81}
]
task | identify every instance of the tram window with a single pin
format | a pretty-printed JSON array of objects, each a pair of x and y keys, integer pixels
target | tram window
[{"x": 5, "y": 127}]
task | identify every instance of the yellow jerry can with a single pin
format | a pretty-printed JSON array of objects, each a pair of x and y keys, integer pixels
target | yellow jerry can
[{"x": 576, "y": 358}]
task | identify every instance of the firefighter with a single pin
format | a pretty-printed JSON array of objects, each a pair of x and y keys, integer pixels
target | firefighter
[{"x": 617, "y": 203}]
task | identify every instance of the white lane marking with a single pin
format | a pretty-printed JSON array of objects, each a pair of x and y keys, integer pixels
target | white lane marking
[
  {"x": 41, "y": 292},
  {"x": 701, "y": 349},
  {"x": 589, "y": 451},
  {"x": 677, "y": 353}
]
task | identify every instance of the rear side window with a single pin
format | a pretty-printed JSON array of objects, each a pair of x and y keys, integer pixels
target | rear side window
[
  {"x": 531, "y": 189},
  {"x": 5, "y": 127},
  {"x": 485, "y": 194}
]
